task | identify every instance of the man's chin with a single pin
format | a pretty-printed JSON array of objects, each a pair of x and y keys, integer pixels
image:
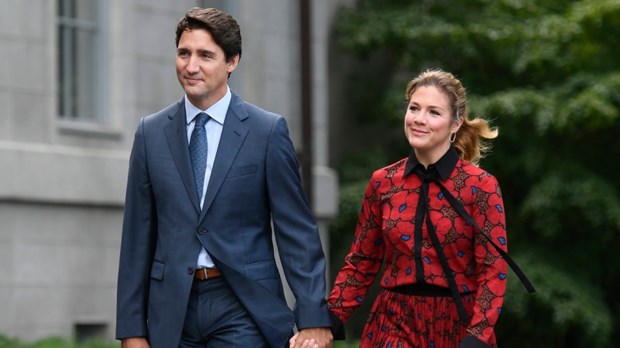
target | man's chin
[
  {"x": 194, "y": 92},
  {"x": 193, "y": 87}
]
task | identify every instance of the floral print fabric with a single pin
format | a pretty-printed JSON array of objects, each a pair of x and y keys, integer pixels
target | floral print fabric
[{"x": 385, "y": 232}]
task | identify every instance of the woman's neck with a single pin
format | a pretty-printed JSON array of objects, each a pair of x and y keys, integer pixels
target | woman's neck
[{"x": 431, "y": 156}]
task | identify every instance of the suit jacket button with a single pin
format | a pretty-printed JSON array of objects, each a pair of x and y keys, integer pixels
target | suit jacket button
[
  {"x": 202, "y": 231},
  {"x": 190, "y": 270}
]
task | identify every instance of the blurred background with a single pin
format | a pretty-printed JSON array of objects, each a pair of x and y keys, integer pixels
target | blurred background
[{"x": 77, "y": 75}]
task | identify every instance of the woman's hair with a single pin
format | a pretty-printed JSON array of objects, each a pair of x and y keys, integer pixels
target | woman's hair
[
  {"x": 223, "y": 27},
  {"x": 470, "y": 137}
]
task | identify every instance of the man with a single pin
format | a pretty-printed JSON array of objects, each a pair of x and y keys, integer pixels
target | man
[{"x": 211, "y": 179}]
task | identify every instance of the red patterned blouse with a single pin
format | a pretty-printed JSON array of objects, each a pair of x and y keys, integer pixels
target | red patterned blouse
[{"x": 385, "y": 231}]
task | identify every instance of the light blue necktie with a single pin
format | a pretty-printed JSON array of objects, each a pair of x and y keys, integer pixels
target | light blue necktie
[{"x": 198, "y": 151}]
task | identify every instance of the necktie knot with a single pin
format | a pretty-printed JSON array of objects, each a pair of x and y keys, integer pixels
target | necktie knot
[{"x": 201, "y": 119}]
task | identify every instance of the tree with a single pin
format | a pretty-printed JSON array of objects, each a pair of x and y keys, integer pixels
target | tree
[{"x": 547, "y": 74}]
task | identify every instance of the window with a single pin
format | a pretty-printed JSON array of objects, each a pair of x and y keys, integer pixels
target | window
[{"x": 81, "y": 72}]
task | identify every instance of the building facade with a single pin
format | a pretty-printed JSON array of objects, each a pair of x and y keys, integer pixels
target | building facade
[{"x": 76, "y": 77}]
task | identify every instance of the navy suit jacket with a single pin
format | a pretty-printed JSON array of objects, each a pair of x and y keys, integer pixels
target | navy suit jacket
[{"x": 254, "y": 193}]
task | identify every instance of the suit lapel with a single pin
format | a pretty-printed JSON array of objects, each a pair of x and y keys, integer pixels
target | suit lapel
[
  {"x": 176, "y": 135},
  {"x": 233, "y": 135}
]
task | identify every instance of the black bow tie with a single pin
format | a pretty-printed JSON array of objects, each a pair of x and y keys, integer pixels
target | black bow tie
[{"x": 427, "y": 175}]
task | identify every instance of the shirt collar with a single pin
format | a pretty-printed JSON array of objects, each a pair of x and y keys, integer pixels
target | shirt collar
[
  {"x": 444, "y": 166},
  {"x": 217, "y": 111}
]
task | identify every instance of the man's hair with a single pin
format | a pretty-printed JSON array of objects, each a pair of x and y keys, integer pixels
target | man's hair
[{"x": 223, "y": 28}]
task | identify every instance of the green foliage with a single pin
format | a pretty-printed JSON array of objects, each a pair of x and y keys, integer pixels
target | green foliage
[
  {"x": 7, "y": 342},
  {"x": 547, "y": 74},
  {"x": 346, "y": 344},
  {"x": 567, "y": 310},
  {"x": 55, "y": 342}
]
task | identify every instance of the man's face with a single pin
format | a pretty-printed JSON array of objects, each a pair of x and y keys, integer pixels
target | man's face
[{"x": 202, "y": 68}]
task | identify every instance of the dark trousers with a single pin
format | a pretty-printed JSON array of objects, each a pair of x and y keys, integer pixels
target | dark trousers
[{"x": 216, "y": 319}]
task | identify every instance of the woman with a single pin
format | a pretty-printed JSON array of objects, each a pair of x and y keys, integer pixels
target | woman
[{"x": 443, "y": 282}]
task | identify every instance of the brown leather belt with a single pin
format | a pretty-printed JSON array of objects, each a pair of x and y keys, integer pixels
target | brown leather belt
[{"x": 206, "y": 273}]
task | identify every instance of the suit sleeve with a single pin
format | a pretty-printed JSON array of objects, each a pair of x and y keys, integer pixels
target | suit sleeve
[
  {"x": 296, "y": 232},
  {"x": 139, "y": 229}
]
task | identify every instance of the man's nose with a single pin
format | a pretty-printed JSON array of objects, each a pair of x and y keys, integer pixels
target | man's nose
[{"x": 193, "y": 64}]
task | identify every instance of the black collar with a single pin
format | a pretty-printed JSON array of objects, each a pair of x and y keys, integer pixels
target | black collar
[{"x": 444, "y": 166}]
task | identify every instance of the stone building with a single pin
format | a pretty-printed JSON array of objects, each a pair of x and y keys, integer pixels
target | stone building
[{"x": 75, "y": 77}]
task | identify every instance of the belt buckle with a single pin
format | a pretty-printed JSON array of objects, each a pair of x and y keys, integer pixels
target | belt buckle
[{"x": 204, "y": 271}]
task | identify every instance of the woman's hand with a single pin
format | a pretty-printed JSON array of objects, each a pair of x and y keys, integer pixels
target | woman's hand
[{"x": 312, "y": 338}]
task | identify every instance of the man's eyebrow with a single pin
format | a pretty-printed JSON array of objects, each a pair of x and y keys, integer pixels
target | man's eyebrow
[{"x": 202, "y": 50}]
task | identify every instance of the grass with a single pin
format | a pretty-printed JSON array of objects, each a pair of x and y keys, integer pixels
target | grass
[
  {"x": 59, "y": 342},
  {"x": 346, "y": 344},
  {"x": 55, "y": 342}
]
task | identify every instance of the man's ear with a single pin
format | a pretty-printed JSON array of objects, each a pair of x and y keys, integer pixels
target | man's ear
[{"x": 232, "y": 63}]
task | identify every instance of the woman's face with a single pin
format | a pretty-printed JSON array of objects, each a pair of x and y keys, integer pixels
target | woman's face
[{"x": 428, "y": 123}]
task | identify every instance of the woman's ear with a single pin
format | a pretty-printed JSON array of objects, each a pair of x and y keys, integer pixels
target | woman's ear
[{"x": 457, "y": 125}]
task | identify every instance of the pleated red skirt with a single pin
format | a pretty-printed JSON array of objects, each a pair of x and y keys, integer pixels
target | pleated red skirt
[{"x": 408, "y": 321}]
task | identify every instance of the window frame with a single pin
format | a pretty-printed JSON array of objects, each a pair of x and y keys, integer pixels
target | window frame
[{"x": 67, "y": 54}]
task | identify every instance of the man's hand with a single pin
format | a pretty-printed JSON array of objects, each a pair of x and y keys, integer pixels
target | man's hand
[
  {"x": 320, "y": 337},
  {"x": 135, "y": 342}
]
